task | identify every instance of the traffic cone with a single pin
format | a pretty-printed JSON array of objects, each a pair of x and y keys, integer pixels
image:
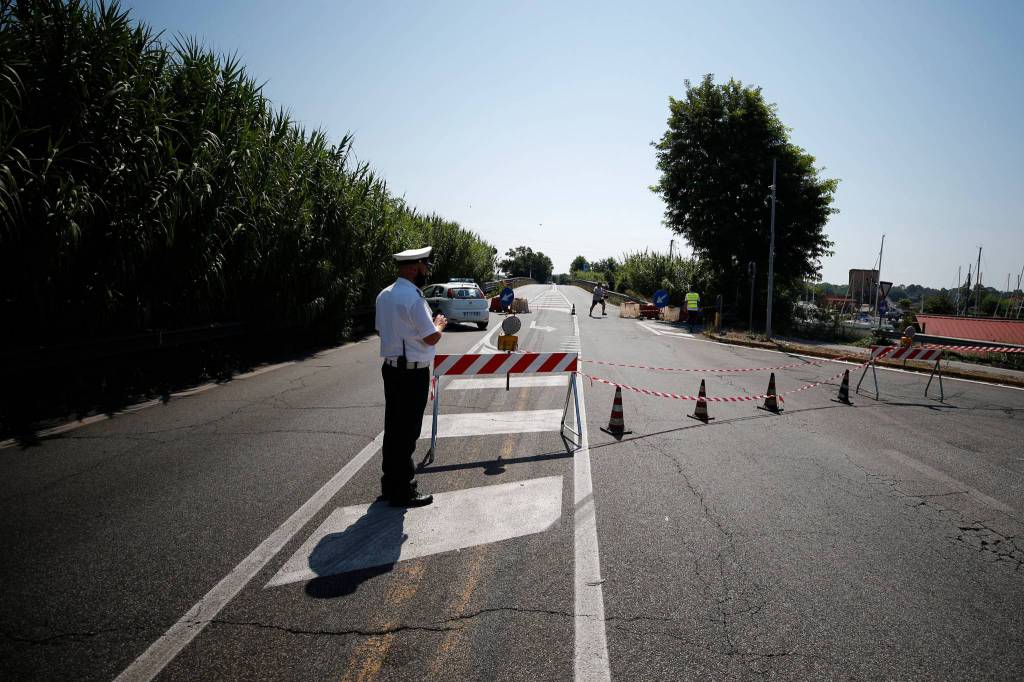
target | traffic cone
[
  {"x": 700, "y": 413},
  {"x": 844, "y": 390},
  {"x": 573, "y": 309},
  {"x": 616, "y": 424},
  {"x": 771, "y": 402}
]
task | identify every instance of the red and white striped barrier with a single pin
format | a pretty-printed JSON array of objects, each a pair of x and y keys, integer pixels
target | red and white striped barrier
[
  {"x": 977, "y": 349},
  {"x": 502, "y": 363},
  {"x": 897, "y": 353}
]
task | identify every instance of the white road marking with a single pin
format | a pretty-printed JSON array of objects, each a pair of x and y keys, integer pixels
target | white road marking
[
  {"x": 536, "y": 381},
  {"x": 376, "y": 534},
  {"x": 155, "y": 658},
  {"x": 162, "y": 651},
  {"x": 491, "y": 423},
  {"x": 591, "y": 644},
  {"x": 949, "y": 480},
  {"x": 534, "y": 325}
]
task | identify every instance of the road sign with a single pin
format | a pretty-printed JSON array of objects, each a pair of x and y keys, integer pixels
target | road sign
[
  {"x": 661, "y": 298},
  {"x": 883, "y": 307},
  {"x": 883, "y": 289},
  {"x": 507, "y": 296}
]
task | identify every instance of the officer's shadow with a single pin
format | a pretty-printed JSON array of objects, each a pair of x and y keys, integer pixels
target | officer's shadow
[{"x": 369, "y": 547}]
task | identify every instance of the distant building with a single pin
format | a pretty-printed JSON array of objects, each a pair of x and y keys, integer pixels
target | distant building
[{"x": 863, "y": 284}]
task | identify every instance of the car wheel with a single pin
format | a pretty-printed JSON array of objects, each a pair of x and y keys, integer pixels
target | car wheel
[{"x": 482, "y": 325}]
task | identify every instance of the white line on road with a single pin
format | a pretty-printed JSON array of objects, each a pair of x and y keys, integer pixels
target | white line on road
[
  {"x": 591, "y": 643},
  {"x": 949, "y": 480},
  {"x": 161, "y": 652}
]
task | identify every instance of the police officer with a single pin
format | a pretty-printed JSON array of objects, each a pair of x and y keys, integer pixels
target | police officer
[
  {"x": 692, "y": 308},
  {"x": 407, "y": 339}
]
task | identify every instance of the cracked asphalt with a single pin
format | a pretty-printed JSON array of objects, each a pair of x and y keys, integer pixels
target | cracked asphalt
[{"x": 878, "y": 541}]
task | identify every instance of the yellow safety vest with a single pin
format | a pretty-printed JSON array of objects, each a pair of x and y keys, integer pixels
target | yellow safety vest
[{"x": 692, "y": 301}]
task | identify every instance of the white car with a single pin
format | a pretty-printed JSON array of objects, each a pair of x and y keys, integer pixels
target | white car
[{"x": 459, "y": 300}]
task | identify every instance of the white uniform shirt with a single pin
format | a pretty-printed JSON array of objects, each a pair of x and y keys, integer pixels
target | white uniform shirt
[{"x": 403, "y": 315}]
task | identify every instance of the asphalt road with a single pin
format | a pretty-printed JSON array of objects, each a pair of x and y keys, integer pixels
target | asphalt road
[{"x": 232, "y": 532}]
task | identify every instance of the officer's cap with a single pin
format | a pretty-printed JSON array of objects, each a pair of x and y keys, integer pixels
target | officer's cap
[{"x": 414, "y": 255}]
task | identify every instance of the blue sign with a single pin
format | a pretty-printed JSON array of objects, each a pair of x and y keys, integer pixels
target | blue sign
[
  {"x": 883, "y": 307},
  {"x": 661, "y": 298},
  {"x": 507, "y": 296}
]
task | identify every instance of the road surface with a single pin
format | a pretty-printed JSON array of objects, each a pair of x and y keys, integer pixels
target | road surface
[{"x": 233, "y": 532}]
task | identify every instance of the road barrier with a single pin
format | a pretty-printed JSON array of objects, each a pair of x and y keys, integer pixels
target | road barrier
[
  {"x": 910, "y": 353},
  {"x": 475, "y": 364},
  {"x": 976, "y": 349}
]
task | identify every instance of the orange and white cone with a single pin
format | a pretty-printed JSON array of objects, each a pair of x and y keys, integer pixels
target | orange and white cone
[
  {"x": 771, "y": 401},
  {"x": 700, "y": 413},
  {"x": 616, "y": 424},
  {"x": 844, "y": 390}
]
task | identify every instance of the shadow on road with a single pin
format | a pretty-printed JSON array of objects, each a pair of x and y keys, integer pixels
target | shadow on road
[{"x": 369, "y": 547}]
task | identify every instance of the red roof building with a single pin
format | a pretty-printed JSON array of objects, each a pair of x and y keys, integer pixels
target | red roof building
[{"x": 976, "y": 328}]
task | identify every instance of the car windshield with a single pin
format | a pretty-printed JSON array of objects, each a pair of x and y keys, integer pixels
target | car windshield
[{"x": 466, "y": 292}]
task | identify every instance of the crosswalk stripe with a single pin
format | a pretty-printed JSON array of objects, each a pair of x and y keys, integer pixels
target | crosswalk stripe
[{"x": 492, "y": 423}]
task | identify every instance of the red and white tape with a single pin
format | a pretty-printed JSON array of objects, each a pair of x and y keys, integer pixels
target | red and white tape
[
  {"x": 716, "y": 399},
  {"x": 719, "y": 370}
]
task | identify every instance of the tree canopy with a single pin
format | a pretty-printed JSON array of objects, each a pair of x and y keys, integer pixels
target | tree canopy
[
  {"x": 522, "y": 261},
  {"x": 715, "y": 160}
]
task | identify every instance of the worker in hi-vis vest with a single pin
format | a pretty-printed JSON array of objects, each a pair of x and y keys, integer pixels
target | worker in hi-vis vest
[{"x": 692, "y": 307}]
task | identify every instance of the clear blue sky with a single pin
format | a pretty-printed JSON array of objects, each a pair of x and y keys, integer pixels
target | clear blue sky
[{"x": 509, "y": 116}]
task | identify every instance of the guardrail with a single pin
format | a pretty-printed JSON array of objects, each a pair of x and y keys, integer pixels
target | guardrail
[{"x": 490, "y": 287}]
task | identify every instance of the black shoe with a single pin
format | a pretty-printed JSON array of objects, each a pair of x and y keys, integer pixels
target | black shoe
[{"x": 414, "y": 500}]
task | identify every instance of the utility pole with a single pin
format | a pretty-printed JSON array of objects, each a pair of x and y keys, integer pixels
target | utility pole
[
  {"x": 671, "y": 245},
  {"x": 957, "y": 304},
  {"x": 878, "y": 281},
  {"x": 771, "y": 260},
  {"x": 977, "y": 284}
]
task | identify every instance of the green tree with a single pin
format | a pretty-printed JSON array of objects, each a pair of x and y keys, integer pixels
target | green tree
[
  {"x": 939, "y": 304},
  {"x": 715, "y": 160},
  {"x": 579, "y": 263},
  {"x": 522, "y": 261}
]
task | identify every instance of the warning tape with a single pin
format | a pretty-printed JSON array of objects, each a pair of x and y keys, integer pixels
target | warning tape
[
  {"x": 720, "y": 370},
  {"x": 717, "y": 399}
]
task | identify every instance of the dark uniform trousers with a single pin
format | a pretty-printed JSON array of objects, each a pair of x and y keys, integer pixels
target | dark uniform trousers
[{"x": 405, "y": 397}]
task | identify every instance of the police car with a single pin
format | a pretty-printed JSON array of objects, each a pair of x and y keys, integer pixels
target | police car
[{"x": 460, "y": 300}]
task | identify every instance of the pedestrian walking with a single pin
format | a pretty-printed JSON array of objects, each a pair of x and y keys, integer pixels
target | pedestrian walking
[
  {"x": 408, "y": 337},
  {"x": 692, "y": 308},
  {"x": 599, "y": 295}
]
